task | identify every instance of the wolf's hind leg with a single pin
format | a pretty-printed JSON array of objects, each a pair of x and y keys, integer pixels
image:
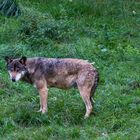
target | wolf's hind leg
[{"x": 85, "y": 94}]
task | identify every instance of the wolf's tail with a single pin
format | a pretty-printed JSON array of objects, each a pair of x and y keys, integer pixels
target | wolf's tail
[{"x": 95, "y": 83}]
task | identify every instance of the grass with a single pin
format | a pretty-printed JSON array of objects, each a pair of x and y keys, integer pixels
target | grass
[{"x": 105, "y": 32}]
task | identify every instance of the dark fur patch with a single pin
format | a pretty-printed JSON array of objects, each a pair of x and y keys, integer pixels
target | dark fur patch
[
  {"x": 49, "y": 69},
  {"x": 74, "y": 84}
]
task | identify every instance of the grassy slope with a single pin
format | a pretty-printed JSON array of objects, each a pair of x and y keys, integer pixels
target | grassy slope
[{"x": 103, "y": 32}]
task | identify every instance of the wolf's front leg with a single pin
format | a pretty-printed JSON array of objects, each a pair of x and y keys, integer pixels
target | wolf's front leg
[
  {"x": 43, "y": 100},
  {"x": 43, "y": 92}
]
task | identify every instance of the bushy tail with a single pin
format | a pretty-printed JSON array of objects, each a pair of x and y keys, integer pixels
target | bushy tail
[{"x": 95, "y": 83}]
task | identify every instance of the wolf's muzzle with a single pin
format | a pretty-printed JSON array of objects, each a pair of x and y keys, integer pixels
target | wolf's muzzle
[{"x": 13, "y": 80}]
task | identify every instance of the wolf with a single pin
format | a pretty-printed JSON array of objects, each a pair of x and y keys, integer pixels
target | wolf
[{"x": 62, "y": 73}]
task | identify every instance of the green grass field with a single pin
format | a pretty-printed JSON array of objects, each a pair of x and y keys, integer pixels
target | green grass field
[{"x": 106, "y": 32}]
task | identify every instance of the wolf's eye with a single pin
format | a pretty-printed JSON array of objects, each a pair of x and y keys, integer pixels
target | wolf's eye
[{"x": 11, "y": 69}]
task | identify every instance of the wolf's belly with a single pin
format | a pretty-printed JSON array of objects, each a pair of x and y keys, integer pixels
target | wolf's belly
[{"x": 62, "y": 81}]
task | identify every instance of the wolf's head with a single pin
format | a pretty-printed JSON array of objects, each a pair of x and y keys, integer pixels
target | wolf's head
[{"x": 16, "y": 68}]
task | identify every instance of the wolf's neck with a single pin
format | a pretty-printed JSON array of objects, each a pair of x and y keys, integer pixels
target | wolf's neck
[{"x": 27, "y": 78}]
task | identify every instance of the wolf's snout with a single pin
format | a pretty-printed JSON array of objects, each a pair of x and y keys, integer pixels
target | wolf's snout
[{"x": 13, "y": 80}]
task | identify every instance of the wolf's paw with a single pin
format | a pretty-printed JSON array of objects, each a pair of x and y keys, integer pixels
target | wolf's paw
[
  {"x": 44, "y": 111},
  {"x": 40, "y": 110}
]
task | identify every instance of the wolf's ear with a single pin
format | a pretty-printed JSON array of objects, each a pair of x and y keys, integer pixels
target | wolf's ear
[
  {"x": 8, "y": 59},
  {"x": 23, "y": 60}
]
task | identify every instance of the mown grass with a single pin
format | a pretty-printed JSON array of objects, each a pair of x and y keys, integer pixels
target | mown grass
[{"x": 105, "y": 32}]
